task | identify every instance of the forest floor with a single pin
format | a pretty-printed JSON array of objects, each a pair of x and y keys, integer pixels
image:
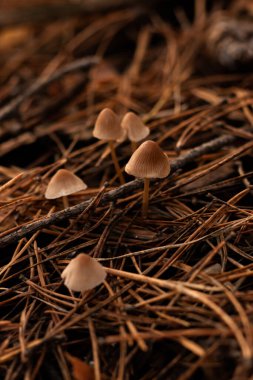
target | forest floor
[{"x": 177, "y": 302}]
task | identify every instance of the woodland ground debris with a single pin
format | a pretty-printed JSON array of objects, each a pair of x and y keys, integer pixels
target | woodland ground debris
[{"x": 161, "y": 313}]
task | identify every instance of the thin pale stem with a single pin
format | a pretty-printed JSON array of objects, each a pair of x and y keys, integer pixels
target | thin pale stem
[
  {"x": 65, "y": 202},
  {"x": 145, "y": 197},
  {"x": 116, "y": 163},
  {"x": 133, "y": 146}
]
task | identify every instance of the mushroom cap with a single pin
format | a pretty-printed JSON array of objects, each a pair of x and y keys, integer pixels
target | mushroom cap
[
  {"x": 148, "y": 161},
  {"x": 83, "y": 273},
  {"x": 103, "y": 73},
  {"x": 134, "y": 126},
  {"x": 64, "y": 183},
  {"x": 107, "y": 126}
]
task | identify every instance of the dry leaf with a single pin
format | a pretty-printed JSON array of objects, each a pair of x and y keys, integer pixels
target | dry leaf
[
  {"x": 12, "y": 37},
  {"x": 80, "y": 369}
]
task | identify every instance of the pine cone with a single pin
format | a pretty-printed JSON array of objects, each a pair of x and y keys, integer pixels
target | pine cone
[{"x": 229, "y": 37}]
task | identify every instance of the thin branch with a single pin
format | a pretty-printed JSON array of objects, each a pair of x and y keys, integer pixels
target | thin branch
[
  {"x": 79, "y": 64},
  {"x": 114, "y": 194}
]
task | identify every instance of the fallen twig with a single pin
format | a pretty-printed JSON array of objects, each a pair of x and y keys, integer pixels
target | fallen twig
[
  {"x": 114, "y": 194},
  {"x": 79, "y": 64}
]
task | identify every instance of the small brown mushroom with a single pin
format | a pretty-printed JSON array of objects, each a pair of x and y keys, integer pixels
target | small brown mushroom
[
  {"x": 83, "y": 273},
  {"x": 108, "y": 128},
  {"x": 148, "y": 161},
  {"x": 103, "y": 73},
  {"x": 135, "y": 129},
  {"x": 62, "y": 184}
]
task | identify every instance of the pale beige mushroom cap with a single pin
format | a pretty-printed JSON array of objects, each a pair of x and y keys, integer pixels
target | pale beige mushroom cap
[
  {"x": 107, "y": 126},
  {"x": 103, "y": 73},
  {"x": 148, "y": 161},
  {"x": 64, "y": 183},
  {"x": 136, "y": 130},
  {"x": 83, "y": 273}
]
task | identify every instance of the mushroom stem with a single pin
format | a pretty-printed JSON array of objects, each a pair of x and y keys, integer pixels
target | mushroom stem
[
  {"x": 65, "y": 202},
  {"x": 145, "y": 197},
  {"x": 134, "y": 146},
  {"x": 116, "y": 163}
]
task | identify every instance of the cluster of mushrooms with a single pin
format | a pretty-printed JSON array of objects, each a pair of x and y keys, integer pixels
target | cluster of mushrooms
[{"x": 147, "y": 161}]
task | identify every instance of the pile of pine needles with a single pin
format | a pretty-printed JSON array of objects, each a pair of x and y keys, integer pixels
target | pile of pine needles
[{"x": 177, "y": 301}]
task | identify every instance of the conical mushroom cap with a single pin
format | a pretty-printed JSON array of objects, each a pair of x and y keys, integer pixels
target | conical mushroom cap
[
  {"x": 107, "y": 126},
  {"x": 83, "y": 273},
  {"x": 148, "y": 161},
  {"x": 64, "y": 183},
  {"x": 134, "y": 126}
]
